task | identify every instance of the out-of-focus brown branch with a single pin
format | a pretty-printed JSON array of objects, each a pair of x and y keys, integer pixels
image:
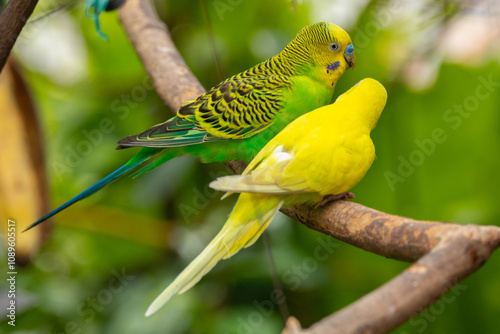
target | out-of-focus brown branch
[
  {"x": 23, "y": 181},
  {"x": 444, "y": 253},
  {"x": 12, "y": 21}
]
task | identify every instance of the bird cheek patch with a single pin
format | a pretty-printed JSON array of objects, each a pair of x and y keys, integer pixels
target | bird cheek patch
[{"x": 333, "y": 67}]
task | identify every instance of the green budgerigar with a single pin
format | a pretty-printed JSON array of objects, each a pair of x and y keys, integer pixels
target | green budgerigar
[{"x": 237, "y": 117}]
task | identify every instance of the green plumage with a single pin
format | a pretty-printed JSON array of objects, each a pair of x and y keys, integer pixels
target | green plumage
[{"x": 237, "y": 117}]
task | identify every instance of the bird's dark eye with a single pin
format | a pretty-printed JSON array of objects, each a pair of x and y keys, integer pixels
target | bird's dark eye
[{"x": 334, "y": 47}]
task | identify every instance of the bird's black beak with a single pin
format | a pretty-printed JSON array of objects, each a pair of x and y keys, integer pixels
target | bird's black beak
[
  {"x": 349, "y": 56},
  {"x": 350, "y": 60}
]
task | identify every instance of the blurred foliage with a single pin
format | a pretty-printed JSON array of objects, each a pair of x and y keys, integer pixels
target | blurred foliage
[{"x": 110, "y": 255}]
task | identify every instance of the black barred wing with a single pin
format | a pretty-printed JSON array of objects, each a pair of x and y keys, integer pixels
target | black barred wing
[{"x": 238, "y": 107}]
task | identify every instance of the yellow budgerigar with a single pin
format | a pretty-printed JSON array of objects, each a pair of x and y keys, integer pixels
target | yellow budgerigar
[{"x": 315, "y": 159}]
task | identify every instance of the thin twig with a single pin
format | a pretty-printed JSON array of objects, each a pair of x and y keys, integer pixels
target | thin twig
[
  {"x": 211, "y": 38},
  {"x": 278, "y": 288}
]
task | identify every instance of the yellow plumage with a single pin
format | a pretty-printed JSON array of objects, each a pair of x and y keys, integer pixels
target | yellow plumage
[{"x": 324, "y": 152}]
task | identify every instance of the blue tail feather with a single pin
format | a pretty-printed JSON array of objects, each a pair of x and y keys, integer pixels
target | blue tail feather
[{"x": 93, "y": 189}]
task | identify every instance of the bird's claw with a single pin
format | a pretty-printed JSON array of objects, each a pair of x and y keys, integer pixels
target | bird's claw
[{"x": 330, "y": 198}]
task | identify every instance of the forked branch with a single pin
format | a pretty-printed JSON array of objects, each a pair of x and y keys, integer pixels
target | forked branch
[{"x": 443, "y": 253}]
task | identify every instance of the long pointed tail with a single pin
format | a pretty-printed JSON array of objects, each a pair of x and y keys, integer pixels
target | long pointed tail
[
  {"x": 140, "y": 159},
  {"x": 250, "y": 217}
]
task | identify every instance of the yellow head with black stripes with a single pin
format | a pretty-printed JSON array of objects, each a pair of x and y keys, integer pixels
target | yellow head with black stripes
[{"x": 324, "y": 44}]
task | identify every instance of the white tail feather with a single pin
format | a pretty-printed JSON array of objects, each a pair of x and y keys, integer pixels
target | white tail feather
[{"x": 247, "y": 184}]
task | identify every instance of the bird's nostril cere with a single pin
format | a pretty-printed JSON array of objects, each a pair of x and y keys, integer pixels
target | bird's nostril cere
[{"x": 349, "y": 49}]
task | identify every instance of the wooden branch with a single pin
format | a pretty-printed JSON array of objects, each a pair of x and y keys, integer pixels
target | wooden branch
[
  {"x": 388, "y": 235},
  {"x": 12, "y": 20},
  {"x": 444, "y": 253}
]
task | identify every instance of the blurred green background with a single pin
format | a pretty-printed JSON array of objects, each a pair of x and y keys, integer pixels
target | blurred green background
[{"x": 109, "y": 256}]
